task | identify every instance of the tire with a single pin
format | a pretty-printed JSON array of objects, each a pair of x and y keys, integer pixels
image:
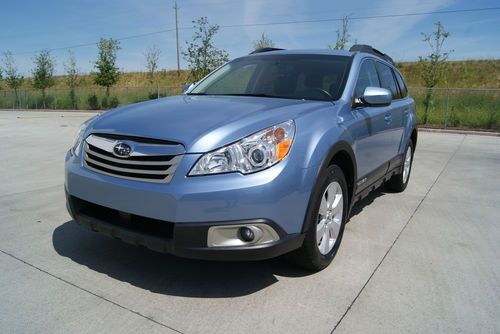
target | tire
[
  {"x": 399, "y": 182},
  {"x": 324, "y": 220}
]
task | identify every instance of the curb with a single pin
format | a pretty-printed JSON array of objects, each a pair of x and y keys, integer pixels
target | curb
[
  {"x": 55, "y": 110},
  {"x": 461, "y": 132}
]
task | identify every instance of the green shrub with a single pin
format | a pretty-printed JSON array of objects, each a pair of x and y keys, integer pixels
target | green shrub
[
  {"x": 104, "y": 103},
  {"x": 93, "y": 102},
  {"x": 114, "y": 102},
  {"x": 453, "y": 119},
  {"x": 153, "y": 95}
]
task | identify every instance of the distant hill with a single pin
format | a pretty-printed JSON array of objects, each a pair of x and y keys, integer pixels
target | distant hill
[
  {"x": 460, "y": 74},
  {"x": 127, "y": 79}
]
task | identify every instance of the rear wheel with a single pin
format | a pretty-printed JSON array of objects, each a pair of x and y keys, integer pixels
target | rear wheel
[
  {"x": 399, "y": 182},
  {"x": 325, "y": 221}
]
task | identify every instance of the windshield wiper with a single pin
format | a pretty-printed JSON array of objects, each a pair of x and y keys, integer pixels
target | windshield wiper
[
  {"x": 256, "y": 95},
  {"x": 264, "y": 95}
]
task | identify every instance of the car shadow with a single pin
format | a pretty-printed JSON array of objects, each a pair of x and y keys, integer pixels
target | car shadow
[
  {"x": 166, "y": 274},
  {"x": 363, "y": 203}
]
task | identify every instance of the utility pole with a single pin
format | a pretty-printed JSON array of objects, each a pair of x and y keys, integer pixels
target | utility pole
[{"x": 177, "y": 38}]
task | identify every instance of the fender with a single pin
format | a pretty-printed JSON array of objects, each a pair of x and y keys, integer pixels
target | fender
[{"x": 341, "y": 146}]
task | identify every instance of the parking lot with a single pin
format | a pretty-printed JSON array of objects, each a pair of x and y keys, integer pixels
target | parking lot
[{"x": 426, "y": 260}]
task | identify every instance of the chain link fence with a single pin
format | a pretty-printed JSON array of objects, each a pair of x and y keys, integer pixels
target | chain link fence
[
  {"x": 448, "y": 107},
  {"x": 464, "y": 108},
  {"x": 82, "y": 98}
]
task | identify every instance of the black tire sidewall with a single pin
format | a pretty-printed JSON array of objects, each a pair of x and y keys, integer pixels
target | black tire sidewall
[
  {"x": 403, "y": 184},
  {"x": 410, "y": 144},
  {"x": 327, "y": 176},
  {"x": 396, "y": 184}
]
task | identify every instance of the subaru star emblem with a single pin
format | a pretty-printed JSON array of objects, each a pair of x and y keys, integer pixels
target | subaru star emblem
[{"x": 122, "y": 150}]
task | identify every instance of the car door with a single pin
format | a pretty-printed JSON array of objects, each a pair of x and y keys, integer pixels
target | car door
[
  {"x": 394, "y": 116},
  {"x": 405, "y": 105},
  {"x": 371, "y": 130}
]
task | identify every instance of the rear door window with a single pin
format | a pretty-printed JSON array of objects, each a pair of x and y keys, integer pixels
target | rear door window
[
  {"x": 387, "y": 80},
  {"x": 368, "y": 77}
]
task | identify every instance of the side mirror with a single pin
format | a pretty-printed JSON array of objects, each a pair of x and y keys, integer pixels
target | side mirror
[
  {"x": 376, "y": 96},
  {"x": 187, "y": 87}
]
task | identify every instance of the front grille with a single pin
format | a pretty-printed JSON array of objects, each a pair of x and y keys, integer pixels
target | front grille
[{"x": 140, "y": 166}]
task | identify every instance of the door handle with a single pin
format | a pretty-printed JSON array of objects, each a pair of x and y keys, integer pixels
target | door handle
[{"x": 388, "y": 118}]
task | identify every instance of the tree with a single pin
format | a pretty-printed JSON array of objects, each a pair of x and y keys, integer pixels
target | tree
[
  {"x": 107, "y": 73},
  {"x": 72, "y": 77},
  {"x": 263, "y": 42},
  {"x": 43, "y": 73},
  {"x": 13, "y": 78},
  {"x": 152, "y": 55},
  {"x": 202, "y": 56},
  {"x": 432, "y": 67},
  {"x": 342, "y": 35}
]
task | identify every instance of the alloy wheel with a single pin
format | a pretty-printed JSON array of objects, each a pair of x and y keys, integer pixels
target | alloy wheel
[{"x": 329, "y": 217}]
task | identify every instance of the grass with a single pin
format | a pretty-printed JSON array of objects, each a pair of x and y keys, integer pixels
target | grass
[
  {"x": 460, "y": 109},
  {"x": 60, "y": 98},
  {"x": 456, "y": 108},
  {"x": 127, "y": 79},
  {"x": 459, "y": 74}
]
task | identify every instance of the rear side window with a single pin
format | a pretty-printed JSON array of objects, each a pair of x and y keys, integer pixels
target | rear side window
[
  {"x": 402, "y": 85},
  {"x": 368, "y": 77},
  {"x": 387, "y": 80}
]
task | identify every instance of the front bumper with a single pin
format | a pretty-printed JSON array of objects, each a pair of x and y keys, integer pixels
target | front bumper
[
  {"x": 185, "y": 240},
  {"x": 279, "y": 194}
]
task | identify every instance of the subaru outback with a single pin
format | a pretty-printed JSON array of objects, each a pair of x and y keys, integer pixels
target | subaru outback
[{"x": 263, "y": 157}]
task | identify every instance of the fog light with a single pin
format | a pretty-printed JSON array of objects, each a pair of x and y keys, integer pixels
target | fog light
[
  {"x": 242, "y": 235},
  {"x": 246, "y": 234}
]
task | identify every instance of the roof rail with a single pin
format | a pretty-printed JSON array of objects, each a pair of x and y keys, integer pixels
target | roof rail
[
  {"x": 265, "y": 50},
  {"x": 370, "y": 49}
]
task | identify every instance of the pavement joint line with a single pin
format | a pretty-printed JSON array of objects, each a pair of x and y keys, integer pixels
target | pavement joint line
[
  {"x": 90, "y": 292},
  {"x": 31, "y": 190},
  {"x": 29, "y": 117},
  {"x": 397, "y": 237}
]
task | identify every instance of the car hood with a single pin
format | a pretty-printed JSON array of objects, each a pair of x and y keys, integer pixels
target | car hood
[{"x": 201, "y": 123}]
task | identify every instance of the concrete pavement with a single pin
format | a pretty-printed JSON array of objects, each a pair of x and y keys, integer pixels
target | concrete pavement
[{"x": 425, "y": 260}]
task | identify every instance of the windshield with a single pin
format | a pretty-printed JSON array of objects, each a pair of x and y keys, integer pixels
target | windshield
[{"x": 309, "y": 77}]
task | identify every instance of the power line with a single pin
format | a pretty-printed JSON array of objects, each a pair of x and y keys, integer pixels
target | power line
[
  {"x": 95, "y": 43},
  {"x": 363, "y": 17},
  {"x": 276, "y": 23}
]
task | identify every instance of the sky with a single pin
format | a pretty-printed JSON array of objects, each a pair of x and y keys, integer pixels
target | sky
[{"x": 27, "y": 26}]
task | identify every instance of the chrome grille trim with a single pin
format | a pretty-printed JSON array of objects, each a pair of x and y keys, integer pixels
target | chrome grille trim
[
  {"x": 145, "y": 165},
  {"x": 128, "y": 170},
  {"x": 175, "y": 160}
]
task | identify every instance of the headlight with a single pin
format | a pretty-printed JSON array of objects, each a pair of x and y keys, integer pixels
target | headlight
[
  {"x": 77, "y": 142},
  {"x": 251, "y": 154}
]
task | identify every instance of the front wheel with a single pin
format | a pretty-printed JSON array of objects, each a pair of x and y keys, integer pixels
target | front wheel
[
  {"x": 325, "y": 221},
  {"x": 398, "y": 182}
]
